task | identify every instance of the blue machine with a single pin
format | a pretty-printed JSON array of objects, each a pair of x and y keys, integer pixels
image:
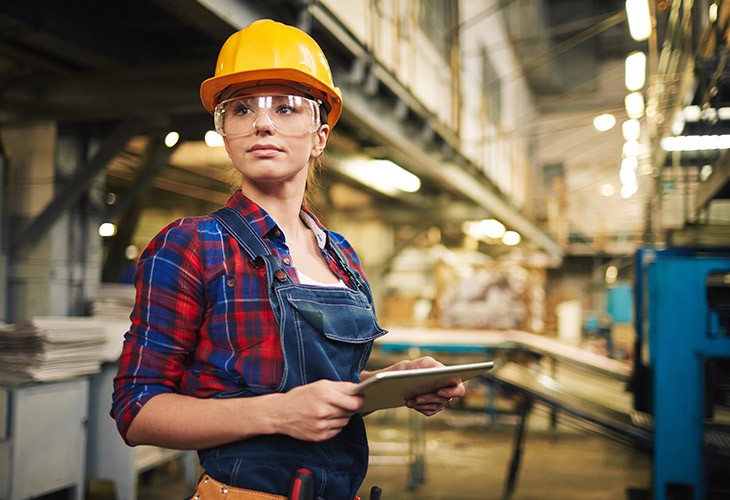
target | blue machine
[{"x": 682, "y": 315}]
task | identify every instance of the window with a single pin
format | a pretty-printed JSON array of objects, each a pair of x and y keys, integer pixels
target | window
[
  {"x": 436, "y": 18},
  {"x": 491, "y": 89}
]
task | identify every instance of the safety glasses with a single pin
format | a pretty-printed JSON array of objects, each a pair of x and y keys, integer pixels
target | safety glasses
[{"x": 288, "y": 114}]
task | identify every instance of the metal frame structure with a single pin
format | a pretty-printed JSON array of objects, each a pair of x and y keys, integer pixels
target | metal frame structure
[{"x": 683, "y": 335}]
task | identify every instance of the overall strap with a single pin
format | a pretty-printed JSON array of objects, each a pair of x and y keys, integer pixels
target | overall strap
[
  {"x": 359, "y": 280},
  {"x": 242, "y": 231}
]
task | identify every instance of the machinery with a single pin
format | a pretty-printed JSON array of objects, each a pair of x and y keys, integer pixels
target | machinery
[{"x": 681, "y": 376}]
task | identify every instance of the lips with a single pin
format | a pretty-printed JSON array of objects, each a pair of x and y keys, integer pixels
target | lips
[{"x": 264, "y": 148}]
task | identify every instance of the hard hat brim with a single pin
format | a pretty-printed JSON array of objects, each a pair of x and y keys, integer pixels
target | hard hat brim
[{"x": 212, "y": 87}]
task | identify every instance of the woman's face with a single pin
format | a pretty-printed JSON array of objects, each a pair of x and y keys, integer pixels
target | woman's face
[{"x": 265, "y": 157}]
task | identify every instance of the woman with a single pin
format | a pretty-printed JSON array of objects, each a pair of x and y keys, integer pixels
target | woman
[{"x": 252, "y": 325}]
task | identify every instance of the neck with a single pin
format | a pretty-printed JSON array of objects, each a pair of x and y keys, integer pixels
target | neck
[{"x": 282, "y": 208}]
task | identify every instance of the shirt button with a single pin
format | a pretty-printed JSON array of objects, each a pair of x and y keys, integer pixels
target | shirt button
[
  {"x": 286, "y": 260},
  {"x": 231, "y": 282},
  {"x": 277, "y": 233},
  {"x": 280, "y": 275}
]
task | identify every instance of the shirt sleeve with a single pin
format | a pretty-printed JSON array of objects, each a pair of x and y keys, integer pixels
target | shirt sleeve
[{"x": 166, "y": 316}]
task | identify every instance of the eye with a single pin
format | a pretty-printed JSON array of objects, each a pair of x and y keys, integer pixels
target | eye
[
  {"x": 239, "y": 108},
  {"x": 286, "y": 110}
]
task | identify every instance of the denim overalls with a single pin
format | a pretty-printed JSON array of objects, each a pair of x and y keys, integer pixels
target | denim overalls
[{"x": 325, "y": 333}]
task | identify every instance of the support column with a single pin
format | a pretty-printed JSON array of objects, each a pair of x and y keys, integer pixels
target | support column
[{"x": 55, "y": 274}]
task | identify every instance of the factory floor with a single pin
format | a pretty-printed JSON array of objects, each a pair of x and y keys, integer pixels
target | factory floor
[{"x": 467, "y": 457}]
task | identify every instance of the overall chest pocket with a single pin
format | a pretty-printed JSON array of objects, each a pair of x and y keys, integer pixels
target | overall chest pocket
[
  {"x": 339, "y": 318},
  {"x": 331, "y": 331}
]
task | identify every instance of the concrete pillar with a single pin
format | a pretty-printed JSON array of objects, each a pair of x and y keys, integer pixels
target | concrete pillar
[{"x": 54, "y": 276}]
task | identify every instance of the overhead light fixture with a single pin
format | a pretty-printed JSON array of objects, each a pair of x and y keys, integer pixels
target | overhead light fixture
[
  {"x": 678, "y": 123},
  {"x": 631, "y": 129},
  {"x": 171, "y": 139},
  {"x": 692, "y": 113},
  {"x": 639, "y": 18},
  {"x": 712, "y": 12},
  {"x": 630, "y": 149},
  {"x": 607, "y": 190},
  {"x": 604, "y": 122},
  {"x": 511, "y": 238},
  {"x": 611, "y": 275},
  {"x": 131, "y": 252},
  {"x": 705, "y": 172},
  {"x": 492, "y": 228},
  {"x": 635, "y": 76},
  {"x": 107, "y": 229},
  {"x": 627, "y": 174},
  {"x": 484, "y": 229},
  {"x": 628, "y": 190},
  {"x": 695, "y": 143},
  {"x": 213, "y": 139},
  {"x": 382, "y": 175},
  {"x": 634, "y": 105},
  {"x": 723, "y": 113}
]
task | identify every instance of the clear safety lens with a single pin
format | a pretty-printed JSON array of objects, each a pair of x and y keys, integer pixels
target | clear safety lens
[{"x": 289, "y": 114}]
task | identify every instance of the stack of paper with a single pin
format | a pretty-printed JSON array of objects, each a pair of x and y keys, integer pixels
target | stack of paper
[
  {"x": 112, "y": 306},
  {"x": 50, "y": 348}
]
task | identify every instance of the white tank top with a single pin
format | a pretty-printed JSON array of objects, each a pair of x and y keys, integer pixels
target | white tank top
[{"x": 306, "y": 280}]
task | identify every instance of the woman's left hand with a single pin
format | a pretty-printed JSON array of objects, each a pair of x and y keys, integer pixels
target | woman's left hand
[{"x": 432, "y": 402}]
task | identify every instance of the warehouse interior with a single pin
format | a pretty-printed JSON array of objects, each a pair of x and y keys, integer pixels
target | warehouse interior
[{"x": 603, "y": 298}]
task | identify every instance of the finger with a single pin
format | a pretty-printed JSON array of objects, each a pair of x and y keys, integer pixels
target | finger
[{"x": 456, "y": 391}]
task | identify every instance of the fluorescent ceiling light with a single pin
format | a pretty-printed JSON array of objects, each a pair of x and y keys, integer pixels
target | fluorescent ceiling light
[
  {"x": 631, "y": 130},
  {"x": 705, "y": 172},
  {"x": 107, "y": 229},
  {"x": 634, "y": 105},
  {"x": 628, "y": 190},
  {"x": 213, "y": 139},
  {"x": 630, "y": 149},
  {"x": 492, "y": 228},
  {"x": 511, "y": 238},
  {"x": 712, "y": 12},
  {"x": 695, "y": 142},
  {"x": 604, "y": 122},
  {"x": 639, "y": 17},
  {"x": 382, "y": 175},
  {"x": 635, "y": 71},
  {"x": 692, "y": 113},
  {"x": 627, "y": 174},
  {"x": 487, "y": 228},
  {"x": 171, "y": 139}
]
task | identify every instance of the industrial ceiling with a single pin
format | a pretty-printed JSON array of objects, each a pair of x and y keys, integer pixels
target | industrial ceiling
[{"x": 139, "y": 65}]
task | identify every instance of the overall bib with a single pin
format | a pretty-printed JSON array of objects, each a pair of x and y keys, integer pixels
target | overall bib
[{"x": 325, "y": 333}]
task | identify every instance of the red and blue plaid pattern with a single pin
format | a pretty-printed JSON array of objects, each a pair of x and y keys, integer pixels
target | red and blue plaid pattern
[{"x": 202, "y": 322}]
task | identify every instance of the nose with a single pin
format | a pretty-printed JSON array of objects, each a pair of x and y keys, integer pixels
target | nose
[{"x": 263, "y": 125}]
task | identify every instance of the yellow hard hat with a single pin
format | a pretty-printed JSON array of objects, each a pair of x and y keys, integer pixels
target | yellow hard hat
[{"x": 268, "y": 51}]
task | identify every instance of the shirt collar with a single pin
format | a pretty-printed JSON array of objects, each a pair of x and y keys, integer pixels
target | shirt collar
[{"x": 263, "y": 222}]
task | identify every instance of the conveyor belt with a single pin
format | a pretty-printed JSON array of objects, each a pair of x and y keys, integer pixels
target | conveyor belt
[
  {"x": 617, "y": 423},
  {"x": 441, "y": 340},
  {"x": 612, "y": 421}
]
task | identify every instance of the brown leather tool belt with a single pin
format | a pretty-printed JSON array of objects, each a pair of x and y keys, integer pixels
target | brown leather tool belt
[{"x": 208, "y": 489}]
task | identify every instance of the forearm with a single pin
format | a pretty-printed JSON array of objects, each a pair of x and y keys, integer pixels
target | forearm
[{"x": 183, "y": 422}]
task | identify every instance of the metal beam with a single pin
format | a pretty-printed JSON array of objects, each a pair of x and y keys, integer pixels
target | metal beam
[
  {"x": 155, "y": 157},
  {"x": 417, "y": 158},
  {"x": 75, "y": 187}
]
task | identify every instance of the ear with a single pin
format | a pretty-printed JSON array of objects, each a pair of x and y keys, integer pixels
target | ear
[{"x": 320, "y": 140}]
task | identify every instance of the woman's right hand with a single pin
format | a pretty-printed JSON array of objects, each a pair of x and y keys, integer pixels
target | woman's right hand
[{"x": 316, "y": 411}]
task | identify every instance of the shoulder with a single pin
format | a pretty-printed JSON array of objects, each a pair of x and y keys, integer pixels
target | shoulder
[{"x": 182, "y": 237}]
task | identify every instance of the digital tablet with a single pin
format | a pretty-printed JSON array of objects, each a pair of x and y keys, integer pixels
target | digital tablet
[{"x": 391, "y": 389}]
